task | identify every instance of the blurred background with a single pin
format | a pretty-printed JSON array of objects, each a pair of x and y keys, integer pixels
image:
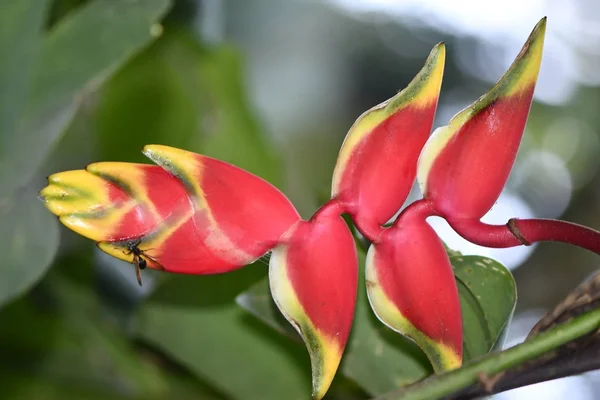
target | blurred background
[{"x": 272, "y": 87}]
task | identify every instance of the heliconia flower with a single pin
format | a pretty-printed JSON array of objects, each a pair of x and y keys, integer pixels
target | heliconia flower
[
  {"x": 464, "y": 165},
  {"x": 376, "y": 166},
  {"x": 412, "y": 289},
  {"x": 313, "y": 276},
  {"x": 194, "y": 215}
]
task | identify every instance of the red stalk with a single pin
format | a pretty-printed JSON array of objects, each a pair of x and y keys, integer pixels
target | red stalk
[{"x": 526, "y": 232}]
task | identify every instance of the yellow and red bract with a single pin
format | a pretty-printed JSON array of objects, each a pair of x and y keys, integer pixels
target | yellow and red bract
[
  {"x": 195, "y": 215},
  {"x": 412, "y": 289},
  {"x": 313, "y": 275},
  {"x": 464, "y": 165},
  {"x": 376, "y": 166}
]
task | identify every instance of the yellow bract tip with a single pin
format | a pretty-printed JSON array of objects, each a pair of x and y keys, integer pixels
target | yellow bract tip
[
  {"x": 72, "y": 192},
  {"x": 327, "y": 357},
  {"x": 520, "y": 76},
  {"x": 430, "y": 76}
]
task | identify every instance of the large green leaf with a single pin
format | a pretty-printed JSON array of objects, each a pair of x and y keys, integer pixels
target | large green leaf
[
  {"x": 378, "y": 359},
  {"x": 28, "y": 236},
  {"x": 38, "y": 99},
  {"x": 21, "y": 33},
  {"x": 85, "y": 48},
  {"x": 28, "y": 242},
  {"x": 195, "y": 320}
]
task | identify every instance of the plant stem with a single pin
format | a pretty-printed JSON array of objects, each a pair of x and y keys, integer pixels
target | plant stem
[
  {"x": 330, "y": 209},
  {"x": 527, "y": 231},
  {"x": 420, "y": 209},
  {"x": 446, "y": 384}
]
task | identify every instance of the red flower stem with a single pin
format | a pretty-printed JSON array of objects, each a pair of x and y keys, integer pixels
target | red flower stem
[
  {"x": 330, "y": 209},
  {"x": 420, "y": 209},
  {"x": 526, "y": 232}
]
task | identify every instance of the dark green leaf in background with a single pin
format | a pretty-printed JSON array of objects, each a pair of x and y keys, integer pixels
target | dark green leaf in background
[
  {"x": 115, "y": 30},
  {"x": 21, "y": 34},
  {"x": 28, "y": 235},
  {"x": 39, "y": 95},
  {"x": 28, "y": 242}
]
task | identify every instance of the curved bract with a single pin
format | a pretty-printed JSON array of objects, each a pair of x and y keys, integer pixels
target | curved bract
[
  {"x": 412, "y": 289},
  {"x": 313, "y": 276},
  {"x": 376, "y": 166},
  {"x": 194, "y": 215},
  {"x": 464, "y": 165}
]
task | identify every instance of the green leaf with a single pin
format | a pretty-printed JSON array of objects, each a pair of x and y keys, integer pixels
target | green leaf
[
  {"x": 195, "y": 320},
  {"x": 182, "y": 94},
  {"x": 21, "y": 33},
  {"x": 28, "y": 235},
  {"x": 76, "y": 57},
  {"x": 28, "y": 242},
  {"x": 38, "y": 100},
  {"x": 488, "y": 295},
  {"x": 380, "y": 360},
  {"x": 376, "y": 358}
]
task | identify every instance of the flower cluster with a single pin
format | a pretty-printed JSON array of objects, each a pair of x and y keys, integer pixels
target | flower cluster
[{"x": 193, "y": 214}]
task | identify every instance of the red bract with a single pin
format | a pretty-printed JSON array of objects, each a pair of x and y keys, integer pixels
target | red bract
[
  {"x": 314, "y": 277},
  {"x": 465, "y": 165},
  {"x": 197, "y": 215},
  {"x": 412, "y": 289},
  {"x": 376, "y": 166}
]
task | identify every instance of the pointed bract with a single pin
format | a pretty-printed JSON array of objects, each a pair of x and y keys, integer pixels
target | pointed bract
[
  {"x": 313, "y": 279},
  {"x": 376, "y": 166},
  {"x": 412, "y": 289},
  {"x": 464, "y": 166},
  {"x": 195, "y": 215}
]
